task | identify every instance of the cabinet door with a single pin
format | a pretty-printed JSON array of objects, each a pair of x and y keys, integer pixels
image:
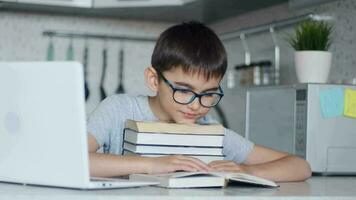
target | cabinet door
[
  {"x": 68, "y": 3},
  {"x": 299, "y": 4},
  {"x": 138, "y": 3}
]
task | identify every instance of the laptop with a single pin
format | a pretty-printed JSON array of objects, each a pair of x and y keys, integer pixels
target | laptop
[{"x": 43, "y": 139}]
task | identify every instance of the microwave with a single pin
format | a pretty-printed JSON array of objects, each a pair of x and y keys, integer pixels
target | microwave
[{"x": 289, "y": 118}]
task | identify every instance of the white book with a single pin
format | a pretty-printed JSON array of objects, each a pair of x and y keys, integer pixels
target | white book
[
  {"x": 196, "y": 140},
  {"x": 204, "y": 158},
  {"x": 163, "y": 127},
  {"x": 202, "y": 179},
  {"x": 156, "y": 149}
]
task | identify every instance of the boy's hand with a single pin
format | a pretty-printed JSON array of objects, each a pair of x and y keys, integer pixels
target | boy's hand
[
  {"x": 168, "y": 164},
  {"x": 228, "y": 166}
]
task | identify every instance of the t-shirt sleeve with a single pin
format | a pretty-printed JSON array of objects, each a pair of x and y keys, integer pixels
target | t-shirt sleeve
[
  {"x": 236, "y": 147},
  {"x": 102, "y": 120}
]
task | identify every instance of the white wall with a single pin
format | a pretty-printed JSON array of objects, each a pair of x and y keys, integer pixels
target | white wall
[{"x": 21, "y": 39}]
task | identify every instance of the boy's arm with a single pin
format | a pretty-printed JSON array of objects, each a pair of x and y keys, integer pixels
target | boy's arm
[
  {"x": 108, "y": 165},
  {"x": 268, "y": 163},
  {"x": 276, "y": 165}
]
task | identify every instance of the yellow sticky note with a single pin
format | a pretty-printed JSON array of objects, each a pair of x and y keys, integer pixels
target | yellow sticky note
[{"x": 350, "y": 103}]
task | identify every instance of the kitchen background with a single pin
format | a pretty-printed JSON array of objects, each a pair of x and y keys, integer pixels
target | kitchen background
[{"x": 22, "y": 39}]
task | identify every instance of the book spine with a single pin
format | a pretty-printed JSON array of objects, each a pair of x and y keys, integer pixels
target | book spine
[
  {"x": 173, "y": 139},
  {"x": 166, "y": 149},
  {"x": 204, "y": 158}
]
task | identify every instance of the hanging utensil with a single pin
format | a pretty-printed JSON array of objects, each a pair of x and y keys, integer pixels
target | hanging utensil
[
  {"x": 120, "y": 88},
  {"x": 251, "y": 74},
  {"x": 50, "y": 50},
  {"x": 276, "y": 56},
  {"x": 246, "y": 49},
  {"x": 102, "y": 80},
  {"x": 70, "y": 51},
  {"x": 85, "y": 66}
]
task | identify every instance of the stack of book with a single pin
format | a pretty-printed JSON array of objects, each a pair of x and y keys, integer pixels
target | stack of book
[{"x": 159, "y": 139}]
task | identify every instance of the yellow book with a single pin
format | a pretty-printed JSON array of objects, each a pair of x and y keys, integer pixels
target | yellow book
[{"x": 174, "y": 128}]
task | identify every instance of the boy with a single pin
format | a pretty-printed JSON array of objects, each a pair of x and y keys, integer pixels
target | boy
[{"x": 188, "y": 64}]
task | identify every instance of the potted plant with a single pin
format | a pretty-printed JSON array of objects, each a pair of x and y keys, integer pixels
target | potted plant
[{"x": 312, "y": 59}]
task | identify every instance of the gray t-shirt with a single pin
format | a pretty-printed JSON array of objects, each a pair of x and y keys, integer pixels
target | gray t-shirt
[{"x": 107, "y": 122}]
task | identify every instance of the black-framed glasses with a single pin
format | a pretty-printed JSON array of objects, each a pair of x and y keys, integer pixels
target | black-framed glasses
[{"x": 186, "y": 96}]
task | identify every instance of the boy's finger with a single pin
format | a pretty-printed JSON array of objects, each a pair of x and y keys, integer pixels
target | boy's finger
[
  {"x": 185, "y": 168},
  {"x": 200, "y": 163},
  {"x": 218, "y": 162},
  {"x": 192, "y": 164}
]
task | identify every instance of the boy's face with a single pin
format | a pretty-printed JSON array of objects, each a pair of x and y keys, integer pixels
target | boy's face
[{"x": 179, "y": 113}]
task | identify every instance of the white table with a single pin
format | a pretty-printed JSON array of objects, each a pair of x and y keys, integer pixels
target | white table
[{"x": 336, "y": 187}]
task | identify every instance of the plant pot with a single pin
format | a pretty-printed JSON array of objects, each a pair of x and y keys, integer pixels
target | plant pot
[{"x": 312, "y": 66}]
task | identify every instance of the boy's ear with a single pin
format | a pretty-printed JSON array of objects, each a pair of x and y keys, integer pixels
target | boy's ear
[{"x": 151, "y": 78}]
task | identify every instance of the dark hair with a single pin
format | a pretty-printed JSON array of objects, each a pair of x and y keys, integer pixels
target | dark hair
[{"x": 192, "y": 46}]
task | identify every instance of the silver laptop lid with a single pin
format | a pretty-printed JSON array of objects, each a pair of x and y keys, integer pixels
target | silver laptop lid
[{"x": 42, "y": 124}]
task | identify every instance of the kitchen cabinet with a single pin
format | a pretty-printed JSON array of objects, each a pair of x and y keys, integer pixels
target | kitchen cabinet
[
  {"x": 65, "y": 3},
  {"x": 206, "y": 11},
  {"x": 299, "y": 4},
  {"x": 137, "y": 3}
]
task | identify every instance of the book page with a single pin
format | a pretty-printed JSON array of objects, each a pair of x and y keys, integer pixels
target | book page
[
  {"x": 247, "y": 178},
  {"x": 160, "y": 127}
]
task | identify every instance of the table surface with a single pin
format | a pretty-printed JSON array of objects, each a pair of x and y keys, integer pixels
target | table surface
[{"x": 332, "y": 187}]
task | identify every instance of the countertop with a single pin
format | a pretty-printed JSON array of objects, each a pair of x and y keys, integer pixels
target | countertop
[{"x": 333, "y": 187}]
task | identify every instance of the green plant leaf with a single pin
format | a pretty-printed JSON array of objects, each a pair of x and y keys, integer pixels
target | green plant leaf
[{"x": 311, "y": 35}]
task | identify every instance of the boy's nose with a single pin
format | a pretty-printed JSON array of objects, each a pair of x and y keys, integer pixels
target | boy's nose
[{"x": 195, "y": 105}]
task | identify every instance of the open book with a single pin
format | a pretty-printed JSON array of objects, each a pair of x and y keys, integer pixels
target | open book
[{"x": 202, "y": 179}]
